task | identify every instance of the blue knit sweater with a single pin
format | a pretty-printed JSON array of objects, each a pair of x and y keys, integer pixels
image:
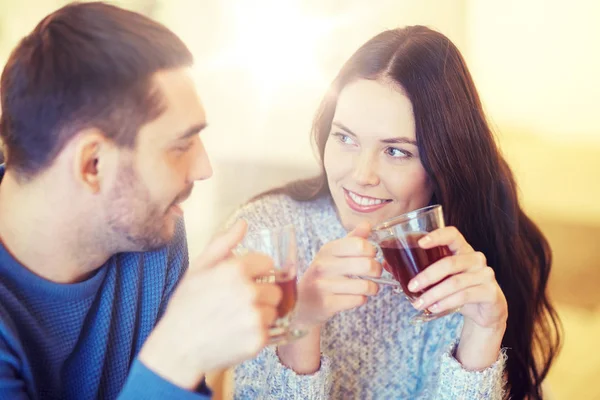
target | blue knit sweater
[{"x": 80, "y": 341}]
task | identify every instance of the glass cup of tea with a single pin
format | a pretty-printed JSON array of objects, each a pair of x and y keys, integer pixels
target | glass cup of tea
[
  {"x": 403, "y": 257},
  {"x": 280, "y": 245}
]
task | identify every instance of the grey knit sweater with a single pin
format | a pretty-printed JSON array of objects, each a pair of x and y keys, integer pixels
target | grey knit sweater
[{"x": 371, "y": 352}]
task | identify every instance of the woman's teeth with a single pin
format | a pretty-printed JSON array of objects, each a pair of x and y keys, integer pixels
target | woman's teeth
[{"x": 363, "y": 201}]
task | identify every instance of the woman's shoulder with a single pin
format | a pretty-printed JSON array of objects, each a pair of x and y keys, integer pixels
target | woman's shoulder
[
  {"x": 270, "y": 203},
  {"x": 274, "y": 210}
]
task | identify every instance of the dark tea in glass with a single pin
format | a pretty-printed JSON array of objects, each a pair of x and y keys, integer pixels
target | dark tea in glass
[
  {"x": 403, "y": 257},
  {"x": 287, "y": 284},
  {"x": 280, "y": 245},
  {"x": 288, "y": 301}
]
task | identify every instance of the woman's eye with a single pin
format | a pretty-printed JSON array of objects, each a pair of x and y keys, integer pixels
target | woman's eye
[
  {"x": 343, "y": 138},
  {"x": 397, "y": 153}
]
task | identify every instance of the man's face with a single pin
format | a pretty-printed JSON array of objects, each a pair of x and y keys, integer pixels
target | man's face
[{"x": 143, "y": 203}]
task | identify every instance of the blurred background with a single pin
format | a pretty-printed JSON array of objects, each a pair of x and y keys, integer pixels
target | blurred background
[{"x": 262, "y": 67}]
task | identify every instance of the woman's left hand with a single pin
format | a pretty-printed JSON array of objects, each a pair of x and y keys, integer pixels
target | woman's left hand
[{"x": 463, "y": 280}]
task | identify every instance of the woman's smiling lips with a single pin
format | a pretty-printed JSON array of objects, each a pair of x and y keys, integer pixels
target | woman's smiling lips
[{"x": 364, "y": 204}]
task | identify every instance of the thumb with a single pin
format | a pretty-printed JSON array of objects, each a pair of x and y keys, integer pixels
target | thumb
[
  {"x": 363, "y": 230},
  {"x": 221, "y": 246}
]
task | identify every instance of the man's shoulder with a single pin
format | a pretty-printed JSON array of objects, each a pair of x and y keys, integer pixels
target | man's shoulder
[
  {"x": 9, "y": 337},
  {"x": 163, "y": 269}
]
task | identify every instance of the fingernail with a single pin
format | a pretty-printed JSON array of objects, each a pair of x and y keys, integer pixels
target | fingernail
[
  {"x": 434, "y": 307},
  {"x": 418, "y": 304},
  {"x": 424, "y": 240},
  {"x": 413, "y": 285}
]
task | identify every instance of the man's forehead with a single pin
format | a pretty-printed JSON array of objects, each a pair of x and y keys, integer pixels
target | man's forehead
[
  {"x": 173, "y": 77},
  {"x": 182, "y": 107},
  {"x": 180, "y": 96},
  {"x": 177, "y": 86}
]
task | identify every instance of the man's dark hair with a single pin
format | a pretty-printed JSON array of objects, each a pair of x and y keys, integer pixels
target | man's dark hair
[{"x": 87, "y": 65}]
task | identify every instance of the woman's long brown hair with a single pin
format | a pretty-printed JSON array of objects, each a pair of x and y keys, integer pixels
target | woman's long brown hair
[{"x": 472, "y": 181}]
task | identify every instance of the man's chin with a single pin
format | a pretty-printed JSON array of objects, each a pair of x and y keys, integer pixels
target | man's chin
[
  {"x": 176, "y": 211},
  {"x": 163, "y": 238},
  {"x": 152, "y": 242}
]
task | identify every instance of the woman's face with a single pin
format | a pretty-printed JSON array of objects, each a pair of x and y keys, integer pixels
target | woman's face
[{"x": 371, "y": 157}]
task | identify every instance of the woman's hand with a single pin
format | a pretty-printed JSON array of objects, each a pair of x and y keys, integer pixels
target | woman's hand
[
  {"x": 465, "y": 281},
  {"x": 325, "y": 289}
]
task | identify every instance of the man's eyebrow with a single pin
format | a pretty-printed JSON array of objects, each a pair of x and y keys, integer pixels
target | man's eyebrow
[{"x": 191, "y": 131}]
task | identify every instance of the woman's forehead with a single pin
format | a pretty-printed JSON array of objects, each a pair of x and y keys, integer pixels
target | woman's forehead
[{"x": 370, "y": 107}]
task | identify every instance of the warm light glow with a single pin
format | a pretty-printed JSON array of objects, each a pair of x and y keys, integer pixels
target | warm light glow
[{"x": 277, "y": 43}]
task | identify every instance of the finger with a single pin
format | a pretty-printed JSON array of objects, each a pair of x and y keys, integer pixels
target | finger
[
  {"x": 448, "y": 236},
  {"x": 268, "y": 315},
  {"x": 221, "y": 246},
  {"x": 268, "y": 294},
  {"x": 447, "y": 266},
  {"x": 255, "y": 265},
  {"x": 350, "y": 246},
  {"x": 342, "y": 302},
  {"x": 345, "y": 286},
  {"x": 228, "y": 275},
  {"x": 472, "y": 295},
  {"x": 453, "y": 285},
  {"x": 363, "y": 230},
  {"x": 338, "y": 266},
  {"x": 354, "y": 244}
]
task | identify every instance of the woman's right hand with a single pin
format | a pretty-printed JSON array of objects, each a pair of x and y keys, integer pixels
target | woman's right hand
[{"x": 326, "y": 289}]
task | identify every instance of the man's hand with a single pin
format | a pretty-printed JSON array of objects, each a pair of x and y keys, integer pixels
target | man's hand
[{"x": 218, "y": 316}]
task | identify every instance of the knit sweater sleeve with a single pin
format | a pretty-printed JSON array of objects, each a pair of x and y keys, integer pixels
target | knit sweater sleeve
[
  {"x": 265, "y": 377},
  {"x": 454, "y": 382},
  {"x": 143, "y": 383}
]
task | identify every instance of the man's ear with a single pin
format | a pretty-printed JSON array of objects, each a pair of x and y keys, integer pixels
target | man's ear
[{"x": 94, "y": 157}]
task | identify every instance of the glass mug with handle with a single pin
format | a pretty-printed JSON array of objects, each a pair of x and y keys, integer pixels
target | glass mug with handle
[
  {"x": 279, "y": 244},
  {"x": 398, "y": 237}
]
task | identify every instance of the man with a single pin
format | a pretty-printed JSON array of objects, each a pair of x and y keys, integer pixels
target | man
[{"x": 100, "y": 123}]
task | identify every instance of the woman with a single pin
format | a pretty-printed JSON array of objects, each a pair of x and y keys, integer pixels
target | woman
[{"x": 403, "y": 127}]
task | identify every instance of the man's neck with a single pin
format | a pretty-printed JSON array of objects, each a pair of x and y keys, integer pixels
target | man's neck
[{"x": 47, "y": 233}]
